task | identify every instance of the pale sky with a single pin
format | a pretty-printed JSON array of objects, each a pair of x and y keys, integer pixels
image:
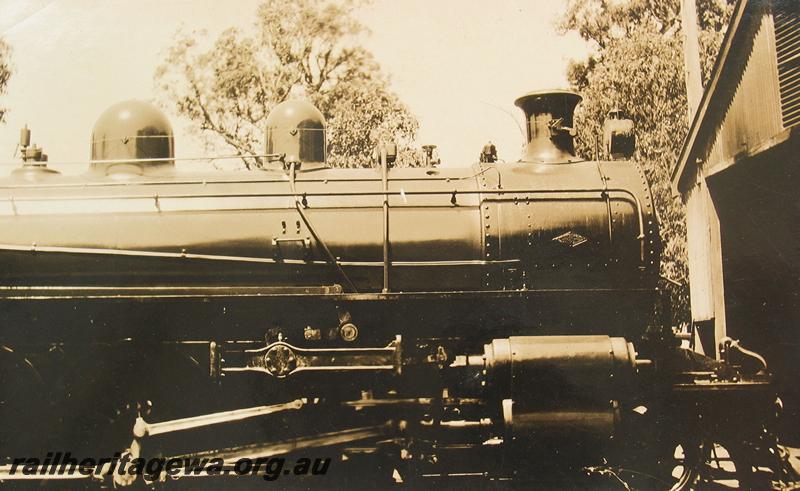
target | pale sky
[{"x": 458, "y": 65}]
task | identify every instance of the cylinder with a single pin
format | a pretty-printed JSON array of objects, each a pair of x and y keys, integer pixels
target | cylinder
[{"x": 559, "y": 387}]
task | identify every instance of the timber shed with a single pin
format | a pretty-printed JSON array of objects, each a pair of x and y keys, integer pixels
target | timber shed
[{"x": 738, "y": 175}]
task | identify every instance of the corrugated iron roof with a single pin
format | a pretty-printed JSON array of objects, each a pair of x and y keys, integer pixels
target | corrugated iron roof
[{"x": 718, "y": 91}]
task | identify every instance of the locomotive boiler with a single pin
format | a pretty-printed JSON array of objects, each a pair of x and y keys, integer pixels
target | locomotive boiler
[
  {"x": 431, "y": 323},
  {"x": 532, "y": 224}
]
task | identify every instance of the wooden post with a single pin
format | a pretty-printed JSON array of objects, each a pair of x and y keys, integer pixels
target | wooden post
[
  {"x": 691, "y": 56},
  {"x": 702, "y": 222}
]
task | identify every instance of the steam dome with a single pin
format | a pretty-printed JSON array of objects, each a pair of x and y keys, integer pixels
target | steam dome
[
  {"x": 296, "y": 129},
  {"x": 132, "y": 137}
]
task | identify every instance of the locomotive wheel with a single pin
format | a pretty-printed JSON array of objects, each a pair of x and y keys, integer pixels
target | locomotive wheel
[
  {"x": 707, "y": 465},
  {"x": 698, "y": 464},
  {"x": 687, "y": 462}
]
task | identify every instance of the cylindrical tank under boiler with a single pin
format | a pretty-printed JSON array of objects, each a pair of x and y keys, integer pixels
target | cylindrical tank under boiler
[{"x": 564, "y": 388}]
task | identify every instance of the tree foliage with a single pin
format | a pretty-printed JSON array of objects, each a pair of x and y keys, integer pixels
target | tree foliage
[
  {"x": 5, "y": 72},
  {"x": 637, "y": 65},
  {"x": 228, "y": 88}
]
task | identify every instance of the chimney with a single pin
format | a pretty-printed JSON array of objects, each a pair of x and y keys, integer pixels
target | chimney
[{"x": 548, "y": 116}]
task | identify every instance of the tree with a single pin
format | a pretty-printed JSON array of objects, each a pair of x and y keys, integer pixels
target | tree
[
  {"x": 637, "y": 65},
  {"x": 5, "y": 72},
  {"x": 228, "y": 88}
]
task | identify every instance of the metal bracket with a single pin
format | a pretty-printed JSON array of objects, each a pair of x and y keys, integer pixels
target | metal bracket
[{"x": 305, "y": 242}]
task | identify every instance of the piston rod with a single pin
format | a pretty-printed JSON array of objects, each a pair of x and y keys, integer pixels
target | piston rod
[{"x": 142, "y": 428}]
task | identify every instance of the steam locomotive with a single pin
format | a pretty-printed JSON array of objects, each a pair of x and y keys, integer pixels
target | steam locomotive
[{"x": 498, "y": 322}]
